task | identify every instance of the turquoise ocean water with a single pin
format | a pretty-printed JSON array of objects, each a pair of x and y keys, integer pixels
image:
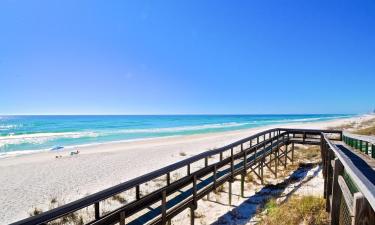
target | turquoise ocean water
[{"x": 24, "y": 134}]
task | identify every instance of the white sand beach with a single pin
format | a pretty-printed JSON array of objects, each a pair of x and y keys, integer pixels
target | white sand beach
[{"x": 32, "y": 180}]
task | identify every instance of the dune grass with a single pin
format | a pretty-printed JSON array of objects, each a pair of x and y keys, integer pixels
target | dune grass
[
  {"x": 366, "y": 131},
  {"x": 308, "y": 210}
]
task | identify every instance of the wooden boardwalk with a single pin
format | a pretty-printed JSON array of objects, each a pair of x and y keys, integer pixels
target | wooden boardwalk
[{"x": 268, "y": 149}]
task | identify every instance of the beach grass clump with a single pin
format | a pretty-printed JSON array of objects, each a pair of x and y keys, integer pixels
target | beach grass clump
[
  {"x": 118, "y": 198},
  {"x": 35, "y": 211},
  {"x": 308, "y": 210},
  {"x": 366, "y": 131},
  {"x": 219, "y": 189},
  {"x": 183, "y": 154},
  {"x": 54, "y": 201},
  {"x": 198, "y": 215},
  {"x": 249, "y": 177}
]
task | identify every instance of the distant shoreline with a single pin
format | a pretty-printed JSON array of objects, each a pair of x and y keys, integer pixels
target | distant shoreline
[{"x": 230, "y": 126}]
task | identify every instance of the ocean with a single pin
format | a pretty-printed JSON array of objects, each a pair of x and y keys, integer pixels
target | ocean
[{"x": 25, "y": 134}]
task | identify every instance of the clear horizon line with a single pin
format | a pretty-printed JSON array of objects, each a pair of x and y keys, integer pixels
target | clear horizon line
[{"x": 186, "y": 114}]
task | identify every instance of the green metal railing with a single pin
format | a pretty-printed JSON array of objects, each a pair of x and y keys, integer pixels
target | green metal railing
[{"x": 364, "y": 144}]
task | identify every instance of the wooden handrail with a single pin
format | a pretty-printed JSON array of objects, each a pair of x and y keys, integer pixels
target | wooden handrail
[{"x": 362, "y": 182}]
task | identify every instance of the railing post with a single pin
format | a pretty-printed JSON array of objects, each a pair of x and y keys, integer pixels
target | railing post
[
  {"x": 363, "y": 213},
  {"x": 292, "y": 153},
  {"x": 286, "y": 155},
  {"x": 122, "y": 218},
  {"x": 164, "y": 207},
  {"x": 231, "y": 165},
  {"x": 231, "y": 175},
  {"x": 244, "y": 173},
  {"x": 341, "y": 136},
  {"x": 215, "y": 172},
  {"x": 192, "y": 216},
  {"x": 97, "y": 211},
  {"x": 230, "y": 193},
  {"x": 194, "y": 205},
  {"x": 261, "y": 165},
  {"x": 336, "y": 193},
  {"x": 195, "y": 191},
  {"x": 168, "y": 179},
  {"x": 285, "y": 152},
  {"x": 329, "y": 179},
  {"x": 137, "y": 193},
  {"x": 276, "y": 159},
  {"x": 242, "y": 185}
]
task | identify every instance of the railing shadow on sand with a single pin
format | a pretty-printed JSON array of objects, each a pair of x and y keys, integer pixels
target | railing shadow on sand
[{"x": 246, "y": 211}]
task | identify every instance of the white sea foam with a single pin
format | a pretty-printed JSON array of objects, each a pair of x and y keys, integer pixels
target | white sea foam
[
  {"x": 9, "y": 126},
  {"x": 40, "y": 138},
  {"x": 182, "y": 128},
  {"x": 306, "y": 119}
]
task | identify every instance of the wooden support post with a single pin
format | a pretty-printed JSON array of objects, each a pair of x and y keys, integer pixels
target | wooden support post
[
  {"x": 206, "y": 161},
  {"x": 261, "y": 170},
  {"x": 164, "y": 208},
  {"x": 215, "y": 172},
  {"x": 230, "y": 193},
  {"x": 195, "y": 205},
  {"x": 192, "y": 216},
  {"x": 122, "y": 218},
  {"x": 292, "y": 153},
  {"x": 242, "y": 185},
  {"x": 221, "y": 156},
  {"x": 188, "y": 169},
  {"x": 363, "y": 213},
  {"x": 285, "y": 155},
  {"x": 329, "y": 179},
  {"x": 276, "y": 163},
  {"x": 336, "y": 193},
  {"x": 243, "y": 173},
  {"x": 231, "y": 165}
]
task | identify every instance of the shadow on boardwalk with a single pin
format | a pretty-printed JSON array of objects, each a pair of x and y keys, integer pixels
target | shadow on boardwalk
[{"x": 246, "y": 212}]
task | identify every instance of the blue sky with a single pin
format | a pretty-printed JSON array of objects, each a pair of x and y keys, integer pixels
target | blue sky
[{"x": 183, "y": 57}]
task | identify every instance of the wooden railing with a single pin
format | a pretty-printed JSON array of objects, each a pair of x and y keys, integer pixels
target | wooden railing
[
  {"x": 349, "y": 185},
  {"x": 203, "y": 173},
  {"x": 365, "y": 144}
]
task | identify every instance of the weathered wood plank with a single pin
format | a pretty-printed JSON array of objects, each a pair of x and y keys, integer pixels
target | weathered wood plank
[
  {"x": 363, "y": 213},
  {"x": 348, "y": 197}
]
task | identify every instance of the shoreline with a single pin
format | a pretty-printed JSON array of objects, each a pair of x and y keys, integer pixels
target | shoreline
[
  {"x": 32, "y": 180},
  {"x": 68, "y": 148}
]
